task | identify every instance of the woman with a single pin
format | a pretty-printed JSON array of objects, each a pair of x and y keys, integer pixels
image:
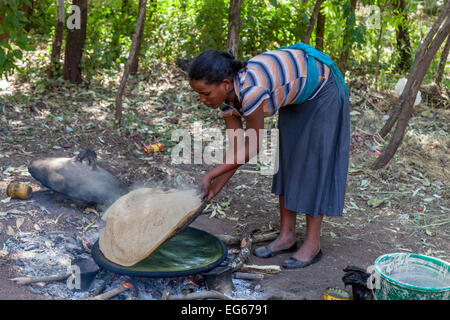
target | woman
[{"x": 308, "y": 91}]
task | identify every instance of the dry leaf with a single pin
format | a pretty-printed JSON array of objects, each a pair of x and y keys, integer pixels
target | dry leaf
[
  {"x": 10, "y": 231},
  {"x": 19, "y": 222}
]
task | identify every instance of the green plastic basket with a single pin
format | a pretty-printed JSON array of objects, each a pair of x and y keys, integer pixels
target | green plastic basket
[{"x": 408, "y": 276}]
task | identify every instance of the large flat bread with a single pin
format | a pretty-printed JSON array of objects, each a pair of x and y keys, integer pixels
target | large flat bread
[{"x": 140, "y": 221}]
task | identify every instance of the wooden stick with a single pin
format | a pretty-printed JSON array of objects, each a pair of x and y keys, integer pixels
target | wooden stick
[
  {"x": 270, "y": 269},
  {"x": 28, "y": 280},
  {"x": 201, "y": 295},
  {"x": 244, "y": 254},
  {"x": 234, "y": 240},
  {"x": 105, "y": 280},
  {"x": 248, "y": 276},
  {"x": 110, "y": 294}
]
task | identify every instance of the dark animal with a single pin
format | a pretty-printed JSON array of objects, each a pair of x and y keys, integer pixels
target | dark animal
[
  {"x": 357, "y": 278},
  {"x": 75, "y": 179},
  {"x": 183, "y": 63}
]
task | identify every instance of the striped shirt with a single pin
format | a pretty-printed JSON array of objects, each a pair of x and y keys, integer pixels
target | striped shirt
[{"x": 273, "y": 79}]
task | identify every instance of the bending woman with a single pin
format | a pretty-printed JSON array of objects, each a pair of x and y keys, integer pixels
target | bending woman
[{"x": 307, "y": 90}]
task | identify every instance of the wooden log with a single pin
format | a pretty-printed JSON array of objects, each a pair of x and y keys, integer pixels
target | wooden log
[
  {"x": 230, "y": 240},
  {"x": 28, "y": 280},
  {"x": 248, "y": 276},
  {"x": 109, "y": 294},
  {"x": 201, "y": 295},
  {"x": 244, "y": 254},
  {"x": 269, "y": 269}
]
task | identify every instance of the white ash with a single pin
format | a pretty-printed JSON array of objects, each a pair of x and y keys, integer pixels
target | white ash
[{"x": 43, "y": 253}]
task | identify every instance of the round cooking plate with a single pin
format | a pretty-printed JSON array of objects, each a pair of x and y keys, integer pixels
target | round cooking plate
[{"x": 190, "y": 252}]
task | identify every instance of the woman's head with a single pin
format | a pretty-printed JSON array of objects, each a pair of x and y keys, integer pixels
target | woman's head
[{"x": 211, "y": 75}]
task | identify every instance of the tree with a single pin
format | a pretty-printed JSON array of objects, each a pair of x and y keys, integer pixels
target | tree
[
  {"x": 13, "y": 37},
  {"x": 320, "y": 30},
  {"x": 380, "y": 36},
  {"x": 234, "y": 26},
  {"x": 135, "y": 62},
  {"x": 312, "y": 21},
  {"x": 404, "y": 107},
  {"x": 347, "y": 41},
  {"x": 57, "y": 40},
  {"x": 402, "y": 35},
  {"x": 131, "y": 57},
  {"x": 76, "y": 37},
  {"x": 442, "y": 62}
]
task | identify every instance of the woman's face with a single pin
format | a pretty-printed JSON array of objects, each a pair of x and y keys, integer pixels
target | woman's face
[{"x": 212, "y": 95}]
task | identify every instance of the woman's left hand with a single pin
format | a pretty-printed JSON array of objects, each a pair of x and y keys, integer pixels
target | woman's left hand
[{"x": 210, "y": 187}]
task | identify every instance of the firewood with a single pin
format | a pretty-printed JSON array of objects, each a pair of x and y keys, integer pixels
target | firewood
[
  {"x": 200, "y": 295},
  {"x": 244, "y": 254},
  {"x": 109, "y": 294},
  {"x": 270, "y": 269},
  {"x": 230, "y": 240},
  {"x": 248, "y": 276},
  {"x": 28, "y": 280}
]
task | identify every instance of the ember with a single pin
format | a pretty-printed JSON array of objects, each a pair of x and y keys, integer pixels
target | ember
[{"x": 45, "y": 259}]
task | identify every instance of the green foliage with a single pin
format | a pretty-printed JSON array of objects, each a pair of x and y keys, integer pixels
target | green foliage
[
  {"x": 12, "y": 34},
  {"x": 186, "y": 27}
]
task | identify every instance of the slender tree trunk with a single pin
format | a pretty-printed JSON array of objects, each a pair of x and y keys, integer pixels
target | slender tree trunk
[
  {"x": 133, "y": 52},
  {"x": 54, "y": 67},
  {"x": 347, "y": 43},
  {"x": 76, "y": 38},
  {"x": 5, "y": 34},
  {"x": 234, "y": 26},
  {"x": 442, "y": 62},
  {"x": 419, "y": 55},
  {"x": 27, "y": 11},
  {"x": 135, "y": 62},
  {"x": 320, "y": 30},
  {"x": 402, "y": 35},
  {"x": 380, "y": 36},
  {"x": 406, "y": 100},
  {"x": 312, "y": 21}
]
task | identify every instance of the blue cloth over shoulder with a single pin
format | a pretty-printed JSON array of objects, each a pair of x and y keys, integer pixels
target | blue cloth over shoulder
[{"x": 313, "y": 72}]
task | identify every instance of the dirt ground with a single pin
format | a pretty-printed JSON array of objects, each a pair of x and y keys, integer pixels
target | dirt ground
[{"x": 401, "y": 208}]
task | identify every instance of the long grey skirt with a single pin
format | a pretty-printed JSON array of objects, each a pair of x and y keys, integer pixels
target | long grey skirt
[{"x": 314, "y": 140}]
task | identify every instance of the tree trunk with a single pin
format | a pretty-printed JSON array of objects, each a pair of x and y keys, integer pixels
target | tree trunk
[
  {"x": 54, "y": 67},
  {"x": 5, "y": 34},
  {"x": 27, "y": 12},
  {"x": 347, "y": 43},
  {"x": 320, "y": 30},
  {"x": 402, "y": 35},
  {"x": 419, "y": 55},
  {"x": 133, "y": 52},
  {"x": 442, "y": 62},
  {"x": 234, "y": 26},
  {"x": 312, "y": 21},
  {"x": 380, "y": 36},
  {"x": 135, "y": 62},
  {"x": 406, "y": 100},
  {"x": 75, "y": 40}
]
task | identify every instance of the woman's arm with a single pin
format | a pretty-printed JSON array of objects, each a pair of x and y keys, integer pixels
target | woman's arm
[{"x": 223, "y": 172}]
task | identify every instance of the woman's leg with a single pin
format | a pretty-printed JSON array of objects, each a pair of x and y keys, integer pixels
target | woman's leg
[
  {"x": 311, "y": 244},
  {"x": 286, "y": 238}
]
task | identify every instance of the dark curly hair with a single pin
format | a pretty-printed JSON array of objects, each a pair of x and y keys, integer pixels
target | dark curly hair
[{"x": 214, "y": 66}]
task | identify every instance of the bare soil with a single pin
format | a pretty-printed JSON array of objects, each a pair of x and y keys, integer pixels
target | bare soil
[{"x": 401, "y": 208}]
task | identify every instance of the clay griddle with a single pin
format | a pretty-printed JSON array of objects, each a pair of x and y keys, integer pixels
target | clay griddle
[{"x": 190, "y": 252}]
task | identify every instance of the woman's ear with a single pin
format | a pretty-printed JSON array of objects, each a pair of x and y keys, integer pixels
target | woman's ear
[{"x": 228, "y": 85}]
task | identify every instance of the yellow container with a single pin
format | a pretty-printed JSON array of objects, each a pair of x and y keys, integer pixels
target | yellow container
[
  {"x": 336, "y": 294},
  {"x": 17, "y": 190}
]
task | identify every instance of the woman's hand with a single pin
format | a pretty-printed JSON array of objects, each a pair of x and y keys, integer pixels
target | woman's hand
[{"x": 210, "y": 187}]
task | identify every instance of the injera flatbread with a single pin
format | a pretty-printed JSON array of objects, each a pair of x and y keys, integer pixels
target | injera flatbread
[{"x": 140, "y": 221}]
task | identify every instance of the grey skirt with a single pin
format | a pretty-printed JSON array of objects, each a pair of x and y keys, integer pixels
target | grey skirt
[{"x": 314, "y": 140}]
